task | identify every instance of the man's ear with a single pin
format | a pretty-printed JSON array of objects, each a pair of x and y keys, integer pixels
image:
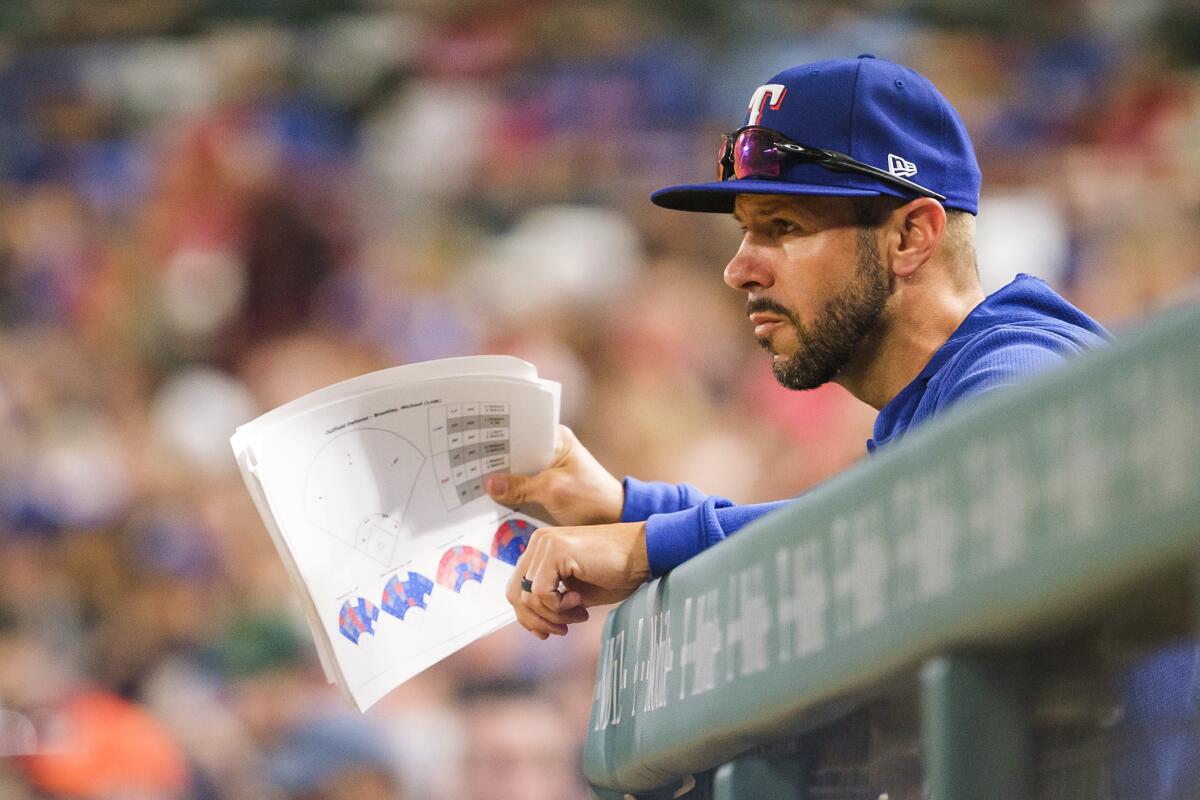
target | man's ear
[{"x": 920, "y": 225}]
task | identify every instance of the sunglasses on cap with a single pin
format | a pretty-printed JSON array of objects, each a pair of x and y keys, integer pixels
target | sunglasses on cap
[{"x": 756, "y": 152}]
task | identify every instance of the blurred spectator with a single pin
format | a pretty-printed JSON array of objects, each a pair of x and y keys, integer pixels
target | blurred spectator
[
  {"x": 103, "y": 747},
  {"x": 516, "y": 745},
  {"x": 334, "y": 759}
]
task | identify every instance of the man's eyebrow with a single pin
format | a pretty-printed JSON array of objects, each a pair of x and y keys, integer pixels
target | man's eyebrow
[{"x": 766, "y": 209}]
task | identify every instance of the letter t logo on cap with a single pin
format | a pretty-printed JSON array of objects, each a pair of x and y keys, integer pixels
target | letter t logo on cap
[{"x": 768, "y": 93}]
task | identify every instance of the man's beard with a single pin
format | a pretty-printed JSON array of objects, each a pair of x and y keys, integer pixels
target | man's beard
[{"x": 825, "y": 347}]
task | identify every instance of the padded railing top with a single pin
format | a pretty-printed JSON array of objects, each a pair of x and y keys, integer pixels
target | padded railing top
[{"x": 1006, "y": 516}]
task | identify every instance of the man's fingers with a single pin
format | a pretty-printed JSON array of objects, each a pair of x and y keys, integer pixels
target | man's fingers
[
  {"x": 548, "y": 621},
  {"x": 535, "y": 558},
  {"x": 513, "y": 592},
  {"x": 538, "y": 626},
  {"x": 535, "y": 622},
  {"x": 544, "y": 611},
  {"x": 531, "y": 615},
  {"x": 572, "y": 598},
  {"x": 567, "y": 617},
  {"x": 549, "y": 568},
  {"x": 563, "y": 442},
  {"x": 545, "y": 604},
  {"x": 545, "y": 578},
  {"x": 511, "y": 490}
]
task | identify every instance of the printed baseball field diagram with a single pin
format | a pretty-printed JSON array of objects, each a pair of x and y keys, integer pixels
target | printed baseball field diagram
[{"x": 359, "y": 486}]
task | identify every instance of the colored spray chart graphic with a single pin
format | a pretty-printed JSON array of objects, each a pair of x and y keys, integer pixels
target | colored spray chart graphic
[
  {"x": 358, "y": 487},
  {"x": 511, "y": 540},
  {"x": 358, "y": 619},
  {"x": 458, "y": 565},
  {"x": 467, "y": 440},
  {"x": 400, "y": 596}
]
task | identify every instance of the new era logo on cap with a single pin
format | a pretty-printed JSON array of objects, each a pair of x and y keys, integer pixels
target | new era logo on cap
[{"x": 900, "y": 167}]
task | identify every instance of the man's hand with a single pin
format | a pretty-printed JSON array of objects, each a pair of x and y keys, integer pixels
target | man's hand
[
  {"x": 595, "y": 565},
  {"x": 574, "y": 489}
]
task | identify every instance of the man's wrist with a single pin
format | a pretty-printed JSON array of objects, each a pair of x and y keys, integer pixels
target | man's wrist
[
  {"x": 639, "y": 557},
  {"x": 615, "y": 509}
]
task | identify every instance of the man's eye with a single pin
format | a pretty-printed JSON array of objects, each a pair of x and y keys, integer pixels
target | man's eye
[{"x": 783, "y": 226}]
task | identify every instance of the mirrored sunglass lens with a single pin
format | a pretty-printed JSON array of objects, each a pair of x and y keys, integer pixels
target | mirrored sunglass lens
[
  {"x": 723, "y": 158},
  {"x": 755, "y": 155}
]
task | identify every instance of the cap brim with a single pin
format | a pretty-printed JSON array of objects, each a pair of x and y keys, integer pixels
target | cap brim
[{"x": 717, "y": 197}]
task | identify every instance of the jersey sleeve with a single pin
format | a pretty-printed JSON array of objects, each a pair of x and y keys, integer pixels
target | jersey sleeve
[
  {"x": 672, "y": 538},
  {"x": 682, "y": 521},
  {"x": 644, "y": 499}
]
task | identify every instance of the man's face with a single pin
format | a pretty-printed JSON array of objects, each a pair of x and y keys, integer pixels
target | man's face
[
  {"x": 815, "y": 286},
  {"x": 519, "y": 749}
]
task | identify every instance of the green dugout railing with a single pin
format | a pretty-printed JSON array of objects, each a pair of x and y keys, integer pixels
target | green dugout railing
[{"x": 952, "y": 619}]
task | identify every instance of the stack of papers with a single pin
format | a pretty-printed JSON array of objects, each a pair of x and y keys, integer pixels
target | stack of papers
[{"x": 372, "y": 490}]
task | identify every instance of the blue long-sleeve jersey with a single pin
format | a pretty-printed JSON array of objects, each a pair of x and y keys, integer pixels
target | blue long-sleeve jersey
[{"x": 1016, "y": 332}]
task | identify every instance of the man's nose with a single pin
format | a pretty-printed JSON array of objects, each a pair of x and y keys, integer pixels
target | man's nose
[{"x": 749, "y": 268}]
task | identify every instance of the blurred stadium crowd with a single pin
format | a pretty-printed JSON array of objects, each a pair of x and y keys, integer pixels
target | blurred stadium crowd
[{"x": 205, "y": 213}]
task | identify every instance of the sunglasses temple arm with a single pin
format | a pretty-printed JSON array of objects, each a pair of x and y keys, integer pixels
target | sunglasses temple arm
[
  {"x": 841, "y": 161},
  {"x": 887, "y": 176}
]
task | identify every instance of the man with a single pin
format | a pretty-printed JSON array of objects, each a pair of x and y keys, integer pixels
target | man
[
  {"x": 856, "y": 186},
  {"x": 542, "y": 763}
]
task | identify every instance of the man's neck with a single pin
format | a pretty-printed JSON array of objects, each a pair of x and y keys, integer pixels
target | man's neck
[{"x": 920, "y": 322}]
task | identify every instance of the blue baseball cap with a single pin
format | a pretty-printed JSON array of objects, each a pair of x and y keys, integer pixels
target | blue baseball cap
[{"x": 877, "y": 112}]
